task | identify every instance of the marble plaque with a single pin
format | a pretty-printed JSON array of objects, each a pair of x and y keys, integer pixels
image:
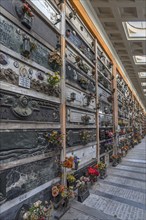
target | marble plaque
[
  {"x": 82, "y": 29},
  {"x": 12, "y": 69},
  {"x": 71, "y": 56},
  {"x": 74, "y": 75},
  {"x": 79, "y": 117},
  {"x": 13, "y": 38},
  {"x": 21, "y": 179},
  {"x": 85, "y": 154},
  {"x": 79, "y": 98},
  {"x": 80, "y": 137},
  {"x": 39, "y": 26},
  {"x": 20, "y": 144},
  {"x": 79, "y": 43}
]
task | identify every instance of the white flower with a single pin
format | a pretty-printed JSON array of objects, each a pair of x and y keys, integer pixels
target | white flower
[
  {"x": 26, "y": 215},
  {"x": 37, "y": 204}
]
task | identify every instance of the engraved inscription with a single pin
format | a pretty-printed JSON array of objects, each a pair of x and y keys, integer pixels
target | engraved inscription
[
  {"x": 75, "y": 116},
  {"x": 81, "y": 99},
  {"x": 79, "y": 43},
  {"x": 76, "y": 137},
  {"x": 73, "y": 75}
]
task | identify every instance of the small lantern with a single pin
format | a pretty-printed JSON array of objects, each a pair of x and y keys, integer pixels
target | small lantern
[{"x": 26, "y": 47}]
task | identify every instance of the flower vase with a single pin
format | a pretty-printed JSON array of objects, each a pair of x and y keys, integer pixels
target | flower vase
[
  {"x": 93, "y": 179},
  {"x": 83, "y": 194},
  {"x": 57, "y": 201},
  {"x": 114, "y": 163},
  {"x": 54, "y": 66},
  {"x": 103, "y": 174},
  {"x": 76, "y": 166},
  {"x": 26, "y": 20}
]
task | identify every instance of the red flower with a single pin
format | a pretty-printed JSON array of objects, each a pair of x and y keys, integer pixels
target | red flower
[
  {"x": 25, "y": 7},
  {"x": 92, "y": 171}
]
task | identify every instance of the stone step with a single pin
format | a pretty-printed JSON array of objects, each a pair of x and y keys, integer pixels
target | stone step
[{"x": 79, "y": 211}]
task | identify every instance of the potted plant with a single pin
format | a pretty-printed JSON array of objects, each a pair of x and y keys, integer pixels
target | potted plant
[
  {"x": 39, "y": 211},
  {"x": 82, "y": 186},
  {"x": 55, "y": 60}
]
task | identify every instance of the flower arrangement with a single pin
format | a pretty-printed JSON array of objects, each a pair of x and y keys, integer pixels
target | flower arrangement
[
  {"x": 61, "y": 195},
  {"x": 26, "y": 9},
  {"x": 53, "y": 80},
  {"x": 71, "y": 179},
  {"x": 54, "y": 138},
  {"x": 81, "y": 184},
  {"x": 39, "y": 211},
  {"x": 83, "y": 66},
  {"x": 85, "y": 119},
  {"x": 71, "y": 162},
  {"x": 68, "y": 162},
  {"x": 76, "y": 162},
  {"x": 84, "y": 136},
  {"x": 83, "y": 82},
  {"x": 93, "y": 174},
  {"x": 114, "y": 156},
  {"x": 55, "y": 60},
  {"x": 100, "y": 166}
]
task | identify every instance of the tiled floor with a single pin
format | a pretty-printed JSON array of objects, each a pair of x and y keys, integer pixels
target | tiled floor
[{"x": 122, "y": 195}]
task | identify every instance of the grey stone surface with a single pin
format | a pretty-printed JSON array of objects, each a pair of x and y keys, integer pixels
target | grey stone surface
[
  {"x": 125, "y": 186},
  {"x": 121, "y": 195}
]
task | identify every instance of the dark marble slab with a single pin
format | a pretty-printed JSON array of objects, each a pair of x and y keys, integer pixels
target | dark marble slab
[
  {"x": 80, "y": 137},
  {"x": 79, "y": 42},
  {"x": 13, "y": 213},
  {"x": 13, "y": 38},
  {"x": 74, "y": 75},
  {"x": 20, "y": 144},
  {"x": 14, "y": 106},
  {"x": 39, "y": 26},
  {"x": 19, "y": 180}
]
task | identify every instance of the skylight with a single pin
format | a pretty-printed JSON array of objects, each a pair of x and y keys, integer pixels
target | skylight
[
  {"x": 139, "y": 59},
  {"x": 142, "y": 74},
  {"x": 135, "y": 30},
  {"x": 143, "y": 83}
]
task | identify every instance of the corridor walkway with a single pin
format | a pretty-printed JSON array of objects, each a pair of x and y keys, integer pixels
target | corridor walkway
[{"x": 122, "y": 195}]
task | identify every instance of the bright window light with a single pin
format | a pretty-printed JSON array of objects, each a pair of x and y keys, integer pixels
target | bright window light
[
  {"x": 135, "y": 30},
  {"x": 139, "y": 59},
  {"x": 144, "y": 90},
  {"x": 142, "y": 74},
  {"x": 143, "y": 84}
]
